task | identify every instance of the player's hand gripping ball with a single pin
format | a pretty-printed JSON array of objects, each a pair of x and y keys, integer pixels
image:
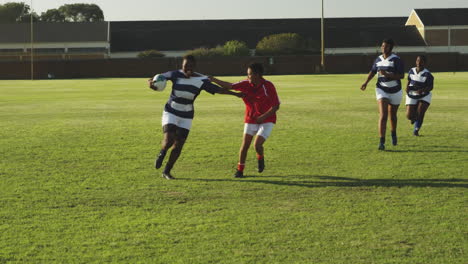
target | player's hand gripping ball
[{"x": 159, "y": 82}]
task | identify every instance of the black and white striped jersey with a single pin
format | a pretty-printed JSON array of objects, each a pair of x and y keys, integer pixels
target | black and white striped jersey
[
  {"x": 419, "y": 80},
  {"x": 391, "y": 64},
  {"x": 185, "y": 91}
]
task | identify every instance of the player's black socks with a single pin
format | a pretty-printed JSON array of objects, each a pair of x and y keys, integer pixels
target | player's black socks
[
  {"x": 394, "y": 138},
  {"x": 168, "y": 169},
  {"x": 160, "y": 158},
  {"x": 418, "y": 125},
  {"x": 382, "y": 140}
]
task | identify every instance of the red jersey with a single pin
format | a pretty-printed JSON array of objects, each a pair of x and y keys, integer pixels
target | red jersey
[{"x": 258, "y": 99}]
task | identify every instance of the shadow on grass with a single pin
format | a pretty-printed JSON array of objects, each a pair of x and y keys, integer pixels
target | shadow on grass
[
  {"x": 431, "y": 149},
  {"x": 425, "y": 151},
  {"x": 312, "y": 181}
]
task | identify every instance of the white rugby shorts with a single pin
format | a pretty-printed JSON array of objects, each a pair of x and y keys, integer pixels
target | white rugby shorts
[
  {"x": 394, "y": 98},
  {"x": 168, "y": 118},
  {"x": 263, "y": 130},
  {"x": 411, "y": 101}
]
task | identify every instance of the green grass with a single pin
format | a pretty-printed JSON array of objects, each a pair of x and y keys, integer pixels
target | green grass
[{"x": 77, "y": 183}]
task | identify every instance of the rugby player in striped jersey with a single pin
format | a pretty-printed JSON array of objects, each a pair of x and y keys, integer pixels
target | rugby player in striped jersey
[
  {"x": 389, "y": 68},
  {"x": 179, "y": 111},
  {"x": 418, "y": 93}
]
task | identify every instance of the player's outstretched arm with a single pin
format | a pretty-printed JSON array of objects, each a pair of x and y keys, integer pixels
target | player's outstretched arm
[
  {"x": 227, "y": 91},
  {"x": 225, "y": 85}
]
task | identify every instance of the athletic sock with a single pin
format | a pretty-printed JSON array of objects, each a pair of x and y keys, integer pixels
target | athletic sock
[
  {"x": 418, "y": 125},
  {"x": 394, "y": 138},
  {"x": 167, "y": 169},
  {"x": 240, "y": 166},
  {"x": 259, "y": 157},
  {"x": 382, "y": 140}
]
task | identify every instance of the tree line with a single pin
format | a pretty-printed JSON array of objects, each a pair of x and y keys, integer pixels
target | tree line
[
  {"x": 17, "y": 12},
  {"x": 276, "y": 44}
]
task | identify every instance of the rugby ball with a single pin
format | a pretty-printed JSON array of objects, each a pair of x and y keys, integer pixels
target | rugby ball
[{"x": 159, "y": 82}]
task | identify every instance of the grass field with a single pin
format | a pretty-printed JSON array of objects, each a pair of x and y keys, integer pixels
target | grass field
[{"x": 77, "y": 183}]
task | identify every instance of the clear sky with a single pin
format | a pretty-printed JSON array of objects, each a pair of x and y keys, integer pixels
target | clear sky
[{"x": 120, "y": 10}]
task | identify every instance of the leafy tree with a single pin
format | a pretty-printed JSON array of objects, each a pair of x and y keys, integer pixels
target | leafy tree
[
  {"x": 205, "y": 52},
  {"x": 14, "y": 12},
  {"x": 230, "y": 48},
  {"x": 149, "y": 54},
  {"x": 26, "y": 18},
  {"x": 52, "y": 15},
  {"x": 281, "y": 44},
  {"x": 82, "y": 13},
  {"x": 236, "y": 48}
]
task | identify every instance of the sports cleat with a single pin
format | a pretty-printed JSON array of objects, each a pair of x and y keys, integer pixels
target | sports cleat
[
  {"x": 394, "y": 140},
  {"x": 167, "y": 176},
  {"x": 261, "y": 165},
  {"x": 159, "y": 160},
  {"x": 239, "y": 174},
  {"x": 381, "y": 146},
  {"x": 416, "y": 132}
]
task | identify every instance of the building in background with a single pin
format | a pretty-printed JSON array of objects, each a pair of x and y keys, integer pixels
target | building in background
[
  {"x": 55, "y": 41},
  {"x": 424, "y": 31},
  {"x": 443, "y": 30}
]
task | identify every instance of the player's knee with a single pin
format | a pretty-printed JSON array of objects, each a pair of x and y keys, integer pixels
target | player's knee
[
  {"x": 167, "y": 143},
  {"x": 258, "y": 147},
  {"x": 409, "y": 115},
  {"x": 178, "y": 145},
  {"x": 383, "y": 116}
]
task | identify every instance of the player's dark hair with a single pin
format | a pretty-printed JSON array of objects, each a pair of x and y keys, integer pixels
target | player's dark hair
[
  {"x": 190, "y": 58},
  {"x": 256, "y": 68},
  {"x": 423, "y": 57},
  {"x": 390, "y": 42}
]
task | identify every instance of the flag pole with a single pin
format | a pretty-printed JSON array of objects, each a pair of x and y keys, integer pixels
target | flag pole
[
  {"x": 322, "y": 62},
  {"x": 32, "y": 43}
]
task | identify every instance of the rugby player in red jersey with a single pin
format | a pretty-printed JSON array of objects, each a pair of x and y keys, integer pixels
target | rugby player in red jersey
[{"x": 261, "y": 103}]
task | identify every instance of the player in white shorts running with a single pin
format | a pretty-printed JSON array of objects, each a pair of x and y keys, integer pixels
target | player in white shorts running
[
  {"x": 261, "y": 103},
  {"x": 389, "y": 68},
  {"x": 179, "y": 111},
  {"x": 418, "y": 93}
]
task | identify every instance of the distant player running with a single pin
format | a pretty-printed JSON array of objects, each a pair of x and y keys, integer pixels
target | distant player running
[
  {"x": 389, "y": 68},
  {"x": 261, "y": 102},
  {"x": 418, "y": 93},
  {"x": 178, "y": 112}
]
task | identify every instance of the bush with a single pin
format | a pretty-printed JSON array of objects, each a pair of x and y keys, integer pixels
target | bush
[
  {"x": 281, "y": 44},
  {"x": 230, "y": 48},
  {"x": 205, "y": 52},
  {"x": 236, "y": 48},
  {"x": 148, "y": 54}
]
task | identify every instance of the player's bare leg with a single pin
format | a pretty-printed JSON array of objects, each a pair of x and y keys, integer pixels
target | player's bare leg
[
  {"x": 411, "y": 113},
  {"x": 246, "y": 141},
  {"x": 166, "y": 144},
  {"x": 259, "y": 140},
  {"x": 422, "y": 108},
  {"x": 393, "y": 109},
  {"x": 383, "y": 116},
  {"x": 175, "y": 153}
]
